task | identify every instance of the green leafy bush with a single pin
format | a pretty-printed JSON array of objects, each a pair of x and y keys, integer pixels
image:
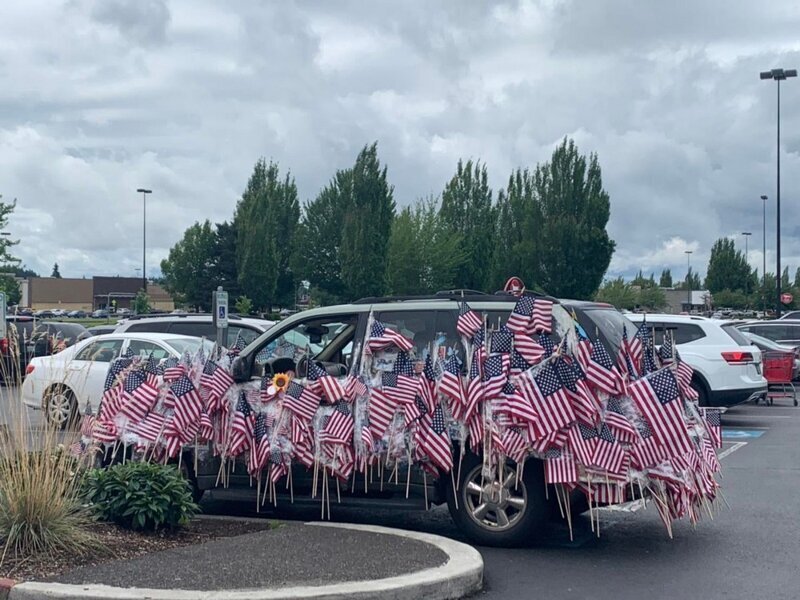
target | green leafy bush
[{"x": 140, "y": 495}]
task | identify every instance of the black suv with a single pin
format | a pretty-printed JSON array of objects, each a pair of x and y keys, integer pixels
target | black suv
[
  {"x": 28, "y": 337},
  {"x": 332, "y": 336}
]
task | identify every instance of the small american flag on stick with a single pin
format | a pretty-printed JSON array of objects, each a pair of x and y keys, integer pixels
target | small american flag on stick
[
  {"x": 469, "y": 322},
  {"x": 381, "y": 337}
]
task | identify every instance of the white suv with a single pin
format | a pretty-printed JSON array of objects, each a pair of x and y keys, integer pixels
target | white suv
[
  {"x": 727, "y": 366},
  {"x": 198, "y": 325}
]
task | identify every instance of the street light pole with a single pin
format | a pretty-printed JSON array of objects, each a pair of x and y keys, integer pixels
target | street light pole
[
  {"x": 144, "y": 193},
  {"x": 778, "y": 75},
  {"x": 764, "y": 255},
  {"x": 746, "y": 235},
  {"x": 688, "y": 282}
]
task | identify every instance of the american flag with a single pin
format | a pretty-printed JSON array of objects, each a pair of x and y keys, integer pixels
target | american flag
[
  {"x": 217, "y": 381},
  {"x": 584, "y": 350},
  {"x": 516, "y": 404},
  {"x": 710, "y": 455},
  {"x": 608, "y": 454},
  {"x": 713, "y": 423},
  {"x": 583, "y": 400},
  {"x": 403, "y": 365},
  {"x": 266, "y": 391},
  {"x": 278, "y": 466},
  {"x": 684, "y": 374},
  {"x": 520, "y": 319},
  {"x": 301, "y": 401},
  {"x": 381, "y": 337},
  {"x": 128, "y": 352},
  {"x": 301, "y": 443},
  {"x": 151, "y": 370},
  {"x": 436, "y": 442},
  {"x": 87, "y": 421},
  {"x": 354, "y": 387},
  {"x": 338, "y": 428},
  {"x": 188, "y": 405},
  {"x": 111, "y": 392},
  {"x": 151, "y": 427},
  {"x": 238, "y": 345},
  {"x": 469, "y": 322},
  {"x": 529, "y": 350},
  {"x": 648, "y": 363},
  {"x": 518, "y": 362},
  {"x": 206, "y": 431},
  {"x": 619, "y": 423},
  {"x": 583, "y": 441},
  {"x": 666, "y": 350},
  {"x": 500, "y": 341},
  {"x": 658, "y": 399},
  {"x": 77, "y": 448},
  {"x": 241, "y": 426},
  {"x": 259, "y": 449},
  {"x": 426, "y": 384},
  {"x": 514, "y": 444},
  {"x": 322, "y": 382},
  {"x": 139, "y": 396},
  {"x": 559, "y": 467},
  {"x": 634, "y": 345},
  {"x": 171, "y": 369},
  {"x": 495, "y": 375},
  {"x": 475, "y": 428},
  {"x": 542, "y": 320},
  {"x": 366, "y": 439},
  {"x": 600, "y": 370},
  {"x": 451, "y": 384},
  {"x": 104, "y": 431},
  {"x": 648, "y": 451},
  {"x": 474, "y": 382},
  {"x": 549, "y": 399},
  {"x": 395, "y": 390},
  {"x": 547, "y": 344},
  {"x": 625, "y": 360}
]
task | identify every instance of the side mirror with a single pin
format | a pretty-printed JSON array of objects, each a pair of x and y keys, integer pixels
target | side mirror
[{"x": 240, "y": 370}]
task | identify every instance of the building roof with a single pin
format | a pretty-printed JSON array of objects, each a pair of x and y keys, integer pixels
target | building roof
[{"x": 53, "y": 290}]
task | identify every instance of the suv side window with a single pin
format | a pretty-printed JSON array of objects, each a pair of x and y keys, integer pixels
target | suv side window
[
  {"x": 145, "y": 349},
  {"x": 685, "y": 333},
  {"x": 157, "y": 327},
  {"x": 429, "y": 330},
  {"x": 101, "y": 351},
  {"x": 195, "y": 328},
  {"x": 771, "y": 332},
  {"x": 234, "y": 331}
]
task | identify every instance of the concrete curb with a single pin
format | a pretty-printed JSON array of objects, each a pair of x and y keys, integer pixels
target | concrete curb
[{"x": 460, "y": 576}]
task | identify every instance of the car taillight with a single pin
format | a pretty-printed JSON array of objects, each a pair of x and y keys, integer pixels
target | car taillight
[
  {"x": 737, "y": 357},
  {"x": 29, "y": 369}
]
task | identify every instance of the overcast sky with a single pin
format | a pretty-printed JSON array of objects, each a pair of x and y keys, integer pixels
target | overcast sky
[{"x": 100, "y": 97}]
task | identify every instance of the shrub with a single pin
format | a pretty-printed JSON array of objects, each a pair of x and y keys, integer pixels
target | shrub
[
  {"x": 140, "y": 495},
  {"x": 41, "y": 509}
]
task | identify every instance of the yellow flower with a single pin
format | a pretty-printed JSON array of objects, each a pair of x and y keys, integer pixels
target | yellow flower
[{"x": 281, "y": 382}]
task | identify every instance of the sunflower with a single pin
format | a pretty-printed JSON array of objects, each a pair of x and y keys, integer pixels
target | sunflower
[{"x": 281, "y": 382}]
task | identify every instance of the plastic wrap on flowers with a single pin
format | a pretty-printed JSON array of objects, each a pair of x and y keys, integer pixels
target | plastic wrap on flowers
[{"x": 614, "y": 427}]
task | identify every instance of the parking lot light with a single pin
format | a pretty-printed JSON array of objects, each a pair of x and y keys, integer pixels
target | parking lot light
[{"x": 144, "y": 193}]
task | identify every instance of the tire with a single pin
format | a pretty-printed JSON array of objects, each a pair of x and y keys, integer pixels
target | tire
[
  {"x": 60, "y": 407},
  {"x": 702, "y": 393},
  {"x": 498, "y": 514}
]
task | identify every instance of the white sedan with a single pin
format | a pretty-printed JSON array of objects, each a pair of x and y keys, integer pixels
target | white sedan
[{"x": 62, "y": 384}]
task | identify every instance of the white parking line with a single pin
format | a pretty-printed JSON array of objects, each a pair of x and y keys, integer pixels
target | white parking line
[
  {"x": 726, "y": 417},
  {"x": 731, "y": 450}
]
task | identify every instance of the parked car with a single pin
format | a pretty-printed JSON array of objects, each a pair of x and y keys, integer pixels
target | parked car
[
  {"x": 199, "y": 325},
  {"x": 44, "y": 314},
  {"x": 77, "y": 314},
  {"x": 766, "y": 345},
  {"x": 62, "y": 384},
  {"x": 331, "y": 337},
  {"x": 790, "y": 315},
  {"x": 123, "y": 312},
  {"x": 100, "y": 313},
  {"x": 783, "y": 331},
  {"x": 727, "y": 366},
  {"x": 28, "y": 338}
]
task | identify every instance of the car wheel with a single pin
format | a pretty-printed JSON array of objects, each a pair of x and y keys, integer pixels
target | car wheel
[
  {"x": 497, "y": 511},
  {"x": 702, "y": 394},
  {"x": 60, "y": 406}
]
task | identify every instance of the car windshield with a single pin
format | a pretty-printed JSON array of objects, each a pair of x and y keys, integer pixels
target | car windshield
[
  {"x": 182, "y": 345},
  {"x": 610, "y": 323}
]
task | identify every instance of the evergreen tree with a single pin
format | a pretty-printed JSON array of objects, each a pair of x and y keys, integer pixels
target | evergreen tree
[
  {"x": 797, "y": 278},
  {"x": 666, "y": 279},
  {"x": 403, "y": 258},
  {"x": 467, "y": 211},
  {"x": 225, "y": 272},
  {"x": 265, "y": 220},
  {"x": 9, "y": 261},
  {"x": 727, "y": 268},
  {"x": 574, "y": 249},
  {"x": 56, "y": 273},
  {"x": 617, "y": 293},
  {"x": 367, "y": 226}
]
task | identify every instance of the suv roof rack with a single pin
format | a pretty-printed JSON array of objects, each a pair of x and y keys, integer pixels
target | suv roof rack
[
  {"x": 231, "y": 316},
  {"x": 457, "y": 295}
]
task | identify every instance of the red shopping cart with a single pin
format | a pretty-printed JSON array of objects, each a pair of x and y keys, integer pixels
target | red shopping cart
[{"x": 778, "y": 371}]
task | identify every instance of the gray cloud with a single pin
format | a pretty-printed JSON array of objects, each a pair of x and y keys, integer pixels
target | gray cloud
[{"x": 99, "y": 98}]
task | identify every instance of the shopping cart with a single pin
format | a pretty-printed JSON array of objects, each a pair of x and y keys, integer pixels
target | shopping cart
[{"x": 778, "y": 371}]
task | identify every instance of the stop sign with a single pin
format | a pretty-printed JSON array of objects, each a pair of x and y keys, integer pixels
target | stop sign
[{"x": 786, "y": 298}]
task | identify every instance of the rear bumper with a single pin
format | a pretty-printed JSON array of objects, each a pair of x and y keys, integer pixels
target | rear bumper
[{"x": 734, "y": 397}]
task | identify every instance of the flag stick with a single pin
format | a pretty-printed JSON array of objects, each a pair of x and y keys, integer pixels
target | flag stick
[
  {"x": 568, "y": 511},
  {"x": 291, "y": 486},
  {"x": 180, "y": 459},
  {"x": 274, "y": 495},
  {"x": 558, "y": 499},
  {"x": 314, "y": 480},
  {"x": 195, "y": 455},
  {"x": 258, "y": 494},
  {"x": 460, "y": 460},
  {"x": 408, "y": 477},
  {"x": 338, "y": 493},
  {"x": 353, "y": 488},
  {"x": 425, "y": 487},
  {"x": 455, "y": 493}
]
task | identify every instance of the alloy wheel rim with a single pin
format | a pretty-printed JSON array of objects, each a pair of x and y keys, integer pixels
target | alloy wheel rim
[
  {"x": 494, "y": 504},
  {"x": 58, "y": 408}
]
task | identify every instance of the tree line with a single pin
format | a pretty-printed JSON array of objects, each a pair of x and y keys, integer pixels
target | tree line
[{"x": 547, "y": 225}]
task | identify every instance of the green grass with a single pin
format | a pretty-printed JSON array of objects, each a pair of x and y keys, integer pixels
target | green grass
[{"x": 88, "y": 322}]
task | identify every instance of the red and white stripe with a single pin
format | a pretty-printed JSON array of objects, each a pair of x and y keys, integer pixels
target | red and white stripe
[
  {"x": 542, "y": 318},
  {"x": 666, "y": 420}
]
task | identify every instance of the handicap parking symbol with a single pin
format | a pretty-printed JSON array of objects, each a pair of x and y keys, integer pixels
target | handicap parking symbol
[{"x": 741, "y": 434}]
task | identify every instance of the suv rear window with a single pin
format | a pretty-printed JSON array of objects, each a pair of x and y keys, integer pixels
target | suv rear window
[
  {"x": 736, "y": 335},
  {"x": 195, "y": 328},
  {"x": 155, "y": 327}
]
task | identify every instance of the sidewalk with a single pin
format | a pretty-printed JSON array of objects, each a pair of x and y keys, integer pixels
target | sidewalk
[{"x": 294, "y": 560}]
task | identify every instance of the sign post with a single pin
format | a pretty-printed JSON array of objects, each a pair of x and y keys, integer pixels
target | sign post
[
  {"x": 220, "y": 306},
  {"x": 3, "y": 325}
]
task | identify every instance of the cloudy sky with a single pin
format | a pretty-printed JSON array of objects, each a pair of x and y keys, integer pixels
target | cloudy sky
[{"x": 100, "y": 97}]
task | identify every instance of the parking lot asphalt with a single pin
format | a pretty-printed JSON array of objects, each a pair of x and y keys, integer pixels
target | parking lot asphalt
[{"x": 747, "y": 551}]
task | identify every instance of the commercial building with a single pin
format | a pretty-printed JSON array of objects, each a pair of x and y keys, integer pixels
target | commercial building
[{"x": 39, "y": 293}]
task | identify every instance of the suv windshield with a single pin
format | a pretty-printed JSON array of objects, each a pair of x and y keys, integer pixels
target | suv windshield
[{"x": 609, "y": 322}]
